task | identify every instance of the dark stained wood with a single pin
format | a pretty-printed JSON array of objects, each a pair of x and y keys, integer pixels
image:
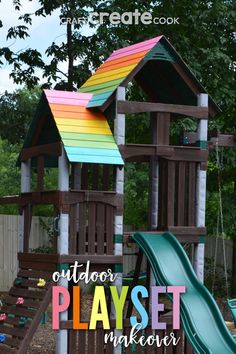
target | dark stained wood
[
  {"x": 107, "y": 197},
  {"x": 187, "y": 230},
  {"x": 139, "y": 107},
  {"x": 72, "y": 341},
  {"x": 40, "y": 173},
  {"x": 180, "y": 345},
  {"x": 53, "y": 149},
  {"x": 14, "y": 321},
  {"x": 82, "y": 228},
  {"x": 27, "y": 226},
  {"x": 38, "y": 266},
  {"x": 84, "y": 176},
  {"x": 91, "y": 227},
  {"x": 81, "y": 341},
  {"x": 182, "y": 73},
  {"x": 163, "y": 128},
  {"x": 95, "y": 177},
  {"x": 100, "y": 339},
  {"x": 38, "y": 257},
  {"x": 170, "y": 194},
  {"x": 106, "y": 175},
  {"x": 109, "y": 229},
  {"x": 13, "y": 331},
  {"x": 34, "y": 274},
  {"x": 94, "y": 259},
  {"x": 176, "y": 153},
  {"x": 11, "y": 300},
  {"x": 91, "y": 342},
  {"x": 191, "y": 193},
  {"x": 73, "y": 229},
  {"x": 181, "y": 194},
  {"x": 11, "y": 341},
  {"x": 100, "y": 228},
  {"x": 31, "y": 294},
  {"x": 18, "y": 311},
  {"x": 135, "y": 281},
  {"x": 35, "y": 322}
]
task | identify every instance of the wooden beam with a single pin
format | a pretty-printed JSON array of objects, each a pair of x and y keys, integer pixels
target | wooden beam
[
  {"x": 94, "y": 259},
  {"x": 189, "y": 82},
  {"x": 175, "y": 153},
  {"x": 224, "y": 139},
  {"x": 139, "y": 107},
  {"x": 40, "y": 173},
  {"x": 35, "y": 151}
]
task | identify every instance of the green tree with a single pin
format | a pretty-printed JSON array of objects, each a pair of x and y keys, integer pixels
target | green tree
[{"x": 17, "y": 110}]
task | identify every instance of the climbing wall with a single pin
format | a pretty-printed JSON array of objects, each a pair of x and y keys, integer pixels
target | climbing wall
[{"x": 23, "y": 309}]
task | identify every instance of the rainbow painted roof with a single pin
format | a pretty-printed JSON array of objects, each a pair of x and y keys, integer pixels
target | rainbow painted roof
[
  {"x": 85, "y": 134},
  {"x": 114, "y": 70}
]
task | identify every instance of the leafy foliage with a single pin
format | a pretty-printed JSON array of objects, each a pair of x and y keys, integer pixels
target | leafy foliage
[{"x": 17, "y": 110}]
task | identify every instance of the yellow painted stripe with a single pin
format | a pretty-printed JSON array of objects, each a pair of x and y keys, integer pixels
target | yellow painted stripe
[
  {"x": 109, "y": 75},
  {"x": 90, "y": 144},
  {"x": 86, "y": 130},
  {"x": 82, "y": 123}
]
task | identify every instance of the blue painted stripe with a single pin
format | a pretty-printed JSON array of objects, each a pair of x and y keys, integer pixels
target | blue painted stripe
[
  {"x": 99, "y": 100},
  {"x": 96, "y": 159},
  {"x": 74, "y": 150},
  {"x": 101, "y": 96}
]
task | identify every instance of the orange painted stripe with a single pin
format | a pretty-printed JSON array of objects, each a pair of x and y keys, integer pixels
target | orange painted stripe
[
  {"x": 118, "y": 65},
  {"x": 124, "y": 60},
  {"x": 83, "y": 114}
]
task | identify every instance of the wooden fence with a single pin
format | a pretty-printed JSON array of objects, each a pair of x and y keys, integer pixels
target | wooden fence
[
  {"x": 9, "y": 241},
  {"x": 9, "y": 237}
]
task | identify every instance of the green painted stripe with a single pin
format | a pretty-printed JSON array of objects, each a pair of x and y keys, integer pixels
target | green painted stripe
[
  {"x": 112, "y": 83},
  {"x": 118, "y": 238},
  {"x": 89, "y": 144},
  {"x": 96, "y": 159},
  {"x": 87, "y": 137},
  {"x": 118, "y": 268},
  {"x": 202, "y": 239},
  {"x": 62, "y": 266},
  {"x": 73, "y": 150},
  {"x": 202, "y": 144},
  {"x": 107, "y": 89}
]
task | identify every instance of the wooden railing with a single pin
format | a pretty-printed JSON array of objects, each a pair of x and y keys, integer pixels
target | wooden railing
[{"x": 92, "y": 341}]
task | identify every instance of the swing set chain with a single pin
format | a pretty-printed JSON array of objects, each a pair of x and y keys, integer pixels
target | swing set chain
[{"x": 220, "y": 222}]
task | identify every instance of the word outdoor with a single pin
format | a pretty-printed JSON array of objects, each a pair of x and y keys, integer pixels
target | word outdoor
[{"x": 61, "y": 299}]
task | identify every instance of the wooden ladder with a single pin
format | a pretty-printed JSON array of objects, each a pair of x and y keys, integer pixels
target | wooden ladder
[{"x": 36, "y": 301}]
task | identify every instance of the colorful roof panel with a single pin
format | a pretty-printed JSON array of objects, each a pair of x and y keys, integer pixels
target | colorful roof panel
[
  {"x": 114, "y": 70},
  {"x": 85, "y": 134}
]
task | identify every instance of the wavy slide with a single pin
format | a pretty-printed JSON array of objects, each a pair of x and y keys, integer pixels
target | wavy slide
[{"x": 201, "y": 319}]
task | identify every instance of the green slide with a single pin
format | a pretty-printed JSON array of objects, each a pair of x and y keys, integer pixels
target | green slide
[{"x": 201, "y": 319}]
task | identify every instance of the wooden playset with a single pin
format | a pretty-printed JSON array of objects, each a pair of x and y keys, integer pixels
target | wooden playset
[{"x": 72, "y": 132}]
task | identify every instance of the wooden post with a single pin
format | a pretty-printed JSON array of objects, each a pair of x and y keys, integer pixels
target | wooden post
[
  {"x": 25, "y": 188},
  {"x": 201, "y": 190},
  {"x": 159, "y": 124},
  {"x": 62, "y": 246},
  {"x": 119, "y": 131}
]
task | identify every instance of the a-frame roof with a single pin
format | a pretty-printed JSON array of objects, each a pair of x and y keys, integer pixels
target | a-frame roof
[
  {"x": 115, "y": 70},
  {"x": 85, "y": 134},
  {"x": 156, "y": 66}
]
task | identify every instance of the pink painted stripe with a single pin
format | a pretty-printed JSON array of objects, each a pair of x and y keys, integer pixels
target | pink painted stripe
[
  {"x": 66, "y": 94},
  {"x": 68, "y": 101},
  {"x": 147, "y": 47},
  {"x": 151, "y": 41}
]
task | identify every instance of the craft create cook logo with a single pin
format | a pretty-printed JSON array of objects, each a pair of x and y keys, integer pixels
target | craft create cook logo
[
  {"x": 126, "y": 18},
  {"x": 62, "y": 298}
]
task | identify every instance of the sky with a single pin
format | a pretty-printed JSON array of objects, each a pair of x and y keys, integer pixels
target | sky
[{"x": 42, "y": 33}]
